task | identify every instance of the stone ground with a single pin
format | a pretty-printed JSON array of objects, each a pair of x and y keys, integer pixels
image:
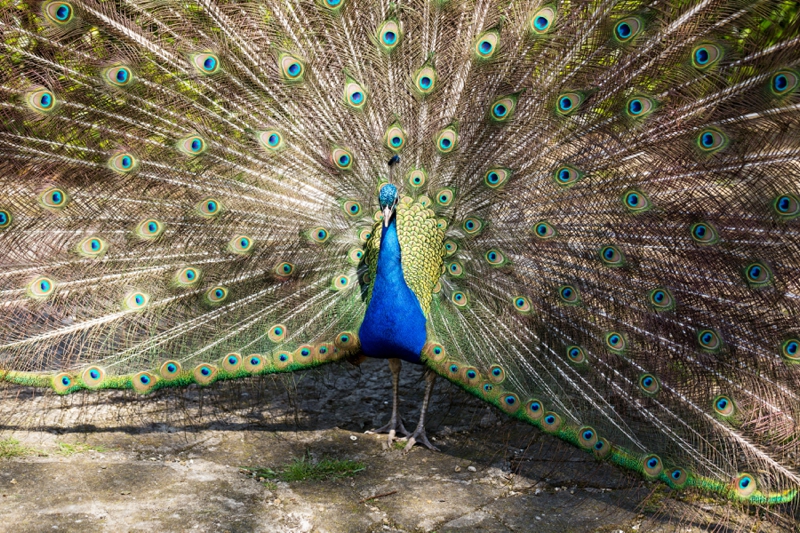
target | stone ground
[{"x": 117, "y": 462}]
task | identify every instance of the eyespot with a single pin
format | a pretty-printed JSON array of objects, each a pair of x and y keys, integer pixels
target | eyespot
[
  {"x": 352, "y": 208},
  {"x": 277, "y": 333},
  {"x": 282, "y": 360},
  {"x": 661, "y": 299},
  {"x": 469, "y": 376},
  {"x": 611, "y": 256},
  {"x": 636, "y": 202},
  {"x": 450, "y": 247},
  {"x": 542, "y": 21},
  {"x": 241, "y": 244},
  {"x": 325, "y": 352},
  {"x": 455, "y": 269},
  {"x": 757, "y": 274},
  {"x": 342, "y": 159},
  {"x": 709, "y": 340},
  {"x": 459, "y": 298},
  {"x": 292, "y": 69},
  {"x": 626, "y": 29},
  {"x": 472, "y": 225},
  {"x": 434, "y": 351},
  {"x": 616, "y": 342},
  {"x": 395, "y": 138},
  {"x": 445, "y": 197},
  {"x": 231, "y": 362},
  {"x": 710, "y": 141},
  {"x": 576, "y": 355},
  {"x": 724, "y": 406},
  {"x": 204, "y": 374},
  {"x": 170, "y": 370},
  {"x": 522, "y": 304},
  {"x": 416, "y": 178},
  {"x": 354, "y": 255},
  {"x": 787, "y": 206},
  {"x": 143, "y": 382},
  {"x": 5, "y": 219},
  {"x": 497, "y": 374},
  {"x": 54, "y": 198},
  {"x": 150, "y": 229},
  {"x": 602, "y": 448},
  {"x": 677, "y": 478},
  {"x": 193, "y": 145},
  {"x": 566, "y": 176},
  {"x": 495, "y": 257},
  {"x": 745, "y": 485},
  {"x": 364, "y": 235},
  {"x": 791, "y": 349},
  {"x": 319, "y": 234},
  {"x": 704, "y": 233},
  {"x": 441, "y": 224},
  {"x": 271, "y": 140},
  {"x": 135, "y": 300},
  {"x": 705, "y": 55},
  {"x": 187, "y": 277},
  {"x": 389, "y": 36},
  {"x": 587, "y": 437},
  {"x": 63, "y": 383},
  {"x": 543, "y": 230},
  {"x": 503, "y": 108},
  {"x": 496, "y": 177},
  {"x": 569, "y": 294},
  {"x": 346, "y": 341},
  {"x": 41, "y": 287},
  {"x": 118, "y": 76},
  {"x": 205, "y": 63},
  {"x": 254, "y": 363},
  {"x": 534, "y": 409},
  {"x": 209, "y": 207},
  {"x": 568, "y": 103},
  {"x": 340, "y": 282},
  {"x": 652, "y": 465},
  {"x": 284, "y": 270},
  {"x": 59, "y": 13},
  {"x": 425, "y": 80},
  {"x": 216, "y": 295},
  {"x": 41, "y": 100},
  {"x": 92, "y": 247},
  {"x": 354, "y": 94},
  {"x": 333, "y": 5},
  {"x": 783, "y": 82},
  {"x": 123, "y": 163},
  {"x": 649, "y": 384},
  {"x": 447, "y": 140},
  {"x": 304, "y": 354},
  {"x": 509, "y": 403},
  {"x": 639, "y": 106},
  {"x": 486, "y": 44},
  {"x": 551, "y": 422}
]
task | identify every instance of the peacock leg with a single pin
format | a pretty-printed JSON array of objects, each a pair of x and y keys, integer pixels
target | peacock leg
[
  {"x": 396, "y": 422},
  {"x": 419, "y": 434}
]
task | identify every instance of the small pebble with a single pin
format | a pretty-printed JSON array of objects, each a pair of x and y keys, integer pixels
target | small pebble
[
  {"x": 458, "y": 469},
  {"x": 353, "y": 438},
  {"x": 472, "y": 469}
]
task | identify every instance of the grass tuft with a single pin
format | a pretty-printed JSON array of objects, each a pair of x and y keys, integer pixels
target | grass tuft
[
  {"x": 304, "y": 469},
  {"x": 10, "y": 448}
]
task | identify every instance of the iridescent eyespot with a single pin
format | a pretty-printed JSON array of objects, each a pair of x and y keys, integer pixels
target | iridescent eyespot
[
  {"x": 417, "y": 178},
  {"x": 447, "y": 140},
  {"x": 450, "y": 247},
  {"x": 216, "y": 295},
  {"x": 495, "y": 257},
  {"x": 241, "y": 244},
  {"x": 661, "y": 299},
  {"x": 92, "y": 247},
  {"x": 284, "y": 270},
  {"x": 787, "y": 206},
  {"x": 568, "y": 103},
  {"x": 724, "y": 406},
  {"x": 791, "y": 349},
  {"x": 209, "y": 207},
  {"x": 254, "y": 363},
  {"x": 486, "y": 44},
  {"x": 472, "y": 225},
  {"x": 704, "y": 233},
  {"x": 193, "y": 145},
  {"x": 271, "y": 140},
  {"x": 649, "y": 384},
  {"x": 389, "y": 35},
  {"x": 711, "y": 140},
  {"x": 543, "y": 230},
  {"x": 567, "y": 176},
  {"x": 709, "y": 340},
  {"x": 602, "y": 448},
  {"x": 60, "y": 13},
  {"x": 745, "y": 485},
  {"x": 783, "y": 82},
  {"x": 343, "y": 159},
  {"x": 522, "y": 304},
  {"x": 41, "y": 100},
  {"x": 364, "y": 235},
  {"x": 5, "y": 218},
  {"x": 149, "y": 229},
  {"x": 441, "y": 224},
  {"x": 611, "y": 256},
  {"x": 569, "y": 294},
  {"x": 455, "y": 269},
  {"x": 496, "y": 374},
  {"x": 318, "y": 234},
  {"x": 425, "y": 80},
  {"x": 292, "y": 69},
  {"x": 143, "y": 382},
  {"x": 54, "y": 198},
  {"x": 277, "y": 333},
  {"x": 587, "y": 437},
  {"x": 445, "y": 197},
  {"x": 340, "y": 282},
  {"x": 205, "y": 63},
  {"x": 354, "y": 255},
  {"x": 534, "y": 409},
  {"x": 93, "y": 376},
  {"x": 354, "y": 94},
  {"x": 636, "y": 202},
  {"x": 757, "y": 274},
  {"x": 705, "y": 55},
  {"x": 187, "y": 277},
  {"x": 576, "y": 355},
  {"x": 551, "y": 422},
  {"x": 627, "y": 28},
  {"x": 677, "y": 478},
  {"x": 616, "y": 342},
  {"x": 135, "y": 300},
  {"x": 123, "y": 163},
  {"x": 41, "y": 287},
  {"x": 303, "y": 353},
  {"x": 495, "y": 177},
  {"x": 62, "y": 383},
  {"x": 509, "y": 403},
  {"x": 542, "y": 21},
  {"x": 395, "y": 138},
  {"x": 639, "y": 106},
  {"x": 333, "y": 5},
  {"x": 434, "y": 351},
  {"x": 652, "y": 465},
  {"x": 459, "y": 298},
  {"x": 170, "y": 370},
  {"x": 503, "y": 108},
  {"x": 118, "y": 76},
  {"x": 231, "y": 362},
  {"x": 204, "y": 374},
  {"x": 346, "y": 342}
]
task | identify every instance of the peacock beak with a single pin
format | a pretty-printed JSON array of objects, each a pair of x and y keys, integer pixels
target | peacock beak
[{"x": 387, "y": 216}]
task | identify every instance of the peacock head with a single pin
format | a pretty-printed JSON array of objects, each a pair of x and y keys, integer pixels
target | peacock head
[{"x": 387, "y": 197}]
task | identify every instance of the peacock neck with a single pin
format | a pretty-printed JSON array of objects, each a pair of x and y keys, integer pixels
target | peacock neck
[{"x": 394, "y": 324}]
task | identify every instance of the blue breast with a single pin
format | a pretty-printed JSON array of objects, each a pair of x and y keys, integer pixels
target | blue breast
[{"x": 394, "y": 325}]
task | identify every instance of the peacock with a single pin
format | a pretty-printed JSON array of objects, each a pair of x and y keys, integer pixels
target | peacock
[{"x": 585, "y": 213}]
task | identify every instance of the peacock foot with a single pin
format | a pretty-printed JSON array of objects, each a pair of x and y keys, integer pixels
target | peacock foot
[
  {"x": 419, "y": 437},
  {"x": 394, "y": 427}
]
